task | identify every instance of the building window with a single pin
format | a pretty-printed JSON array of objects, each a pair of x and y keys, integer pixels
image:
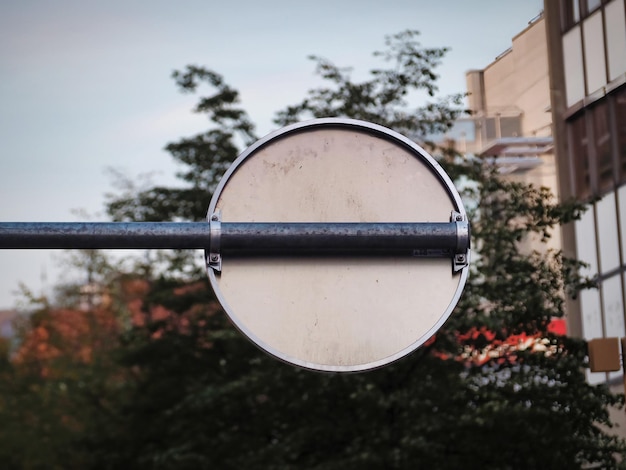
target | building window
[
  {"x": 510, "y": 126},
  {"x": 620, "y": 124},
  {"x": 490, "y": 129},
  {"x": 570, "y": 14},
  {"x": 602, "y": 146},
  {"x": 589, "y": 6},
  {"x": 597, "y": 146},
  {"x": 579, "y": 154}
]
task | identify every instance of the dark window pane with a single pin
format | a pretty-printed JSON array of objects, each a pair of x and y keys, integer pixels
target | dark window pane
[
  {"x": 602, "y": 146},
  {"x": 490, "y": 129},
  {"x": 620, "y": 124},
  {"x": 579, "y": 155},
  {"x": 570, "y": 14},
  {"x": 590, "y": 5},
  {"x": 510, "y": 126}
]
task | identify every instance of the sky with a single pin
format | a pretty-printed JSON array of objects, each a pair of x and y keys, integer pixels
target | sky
[{"x": 86, "y": 87}]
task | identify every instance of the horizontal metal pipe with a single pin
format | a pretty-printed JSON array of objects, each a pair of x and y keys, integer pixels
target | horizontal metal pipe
[
  {"x": 244, "y": 239},
  {"x": 253, "y": 239},
  {"x": 88, "y": 235}
]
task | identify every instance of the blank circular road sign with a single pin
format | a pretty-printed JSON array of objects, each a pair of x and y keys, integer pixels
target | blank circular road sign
[{"x": 337, "y": 313}]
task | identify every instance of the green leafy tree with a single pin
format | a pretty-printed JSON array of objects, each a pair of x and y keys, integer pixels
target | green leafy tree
[
  {"x": 59, "y": 385},
  {"x": 60, "y": 380},
  {"x": 229, "y": 406},
  {"x": 206, "y": 156}
]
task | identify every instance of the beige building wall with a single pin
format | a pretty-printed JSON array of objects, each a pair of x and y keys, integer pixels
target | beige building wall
[
  {"x": 533, "y": 82},
  {"x": 510, "y": 101},
  {"x": 516, "y": 83}
]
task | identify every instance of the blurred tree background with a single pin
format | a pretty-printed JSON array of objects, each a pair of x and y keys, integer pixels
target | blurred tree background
[{"x": 140, "y": 368}]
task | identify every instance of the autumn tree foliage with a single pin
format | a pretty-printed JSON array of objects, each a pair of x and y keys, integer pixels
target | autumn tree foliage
[{"x": 496, "y": 388}]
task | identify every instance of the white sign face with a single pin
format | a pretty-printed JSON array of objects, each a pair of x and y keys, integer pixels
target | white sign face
[{"x": 339, "y": 314}]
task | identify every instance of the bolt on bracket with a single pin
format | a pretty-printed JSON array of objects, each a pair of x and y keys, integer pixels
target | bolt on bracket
[{"x": 214, "y": 256}]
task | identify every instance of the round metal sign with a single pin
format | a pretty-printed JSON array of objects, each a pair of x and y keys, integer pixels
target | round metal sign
[{"x": 337, "y": 313}]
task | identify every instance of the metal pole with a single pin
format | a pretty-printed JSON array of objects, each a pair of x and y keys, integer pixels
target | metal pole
[
  {"x": 246, "y": 239},
  {"x": 254, "y": 239},
  {"x": 93, "y": 235}
]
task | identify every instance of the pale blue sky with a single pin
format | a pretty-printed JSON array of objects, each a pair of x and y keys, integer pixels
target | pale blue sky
[{"x": 85, "y": 86}]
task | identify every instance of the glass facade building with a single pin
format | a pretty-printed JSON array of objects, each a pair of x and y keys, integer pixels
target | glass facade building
[{"x": 587, "y": 54}]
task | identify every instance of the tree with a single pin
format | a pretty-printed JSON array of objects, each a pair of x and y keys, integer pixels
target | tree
[
  {"x": 59, "y": 376},
  {"x": 206, "y": 155},
  {"x": 59, "y": 384},
  {"x": 519, "y": 408},
  {"x": 203, "y": 397}
]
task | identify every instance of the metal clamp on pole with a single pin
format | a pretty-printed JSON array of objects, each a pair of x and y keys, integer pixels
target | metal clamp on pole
[
  {"x": 461, "y": 255},
  {"x": 214, "y": 258}
]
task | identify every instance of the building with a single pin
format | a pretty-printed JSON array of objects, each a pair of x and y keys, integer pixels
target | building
[
  {"x": 587, "y": 61},
  {"x": 510, "y": 118},
  {"x": 510, "y": 104},
  {"x": 552, "y": 110}
]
